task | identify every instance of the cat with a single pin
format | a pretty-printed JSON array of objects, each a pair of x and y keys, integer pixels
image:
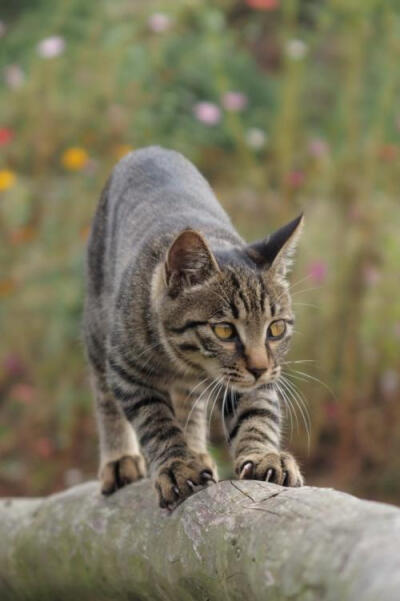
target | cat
[{"x": 179, "y": 310}]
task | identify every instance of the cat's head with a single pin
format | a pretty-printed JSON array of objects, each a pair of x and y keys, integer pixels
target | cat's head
[{"x": 227, "y": 315}]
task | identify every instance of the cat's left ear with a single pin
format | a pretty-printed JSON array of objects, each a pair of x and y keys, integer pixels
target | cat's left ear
[
  {"x": 189, "y": 261},
  {"x": 276, "y": 251}
]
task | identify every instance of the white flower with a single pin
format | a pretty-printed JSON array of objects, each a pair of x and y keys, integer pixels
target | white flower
[
  {"x": 296, "y": 49},
  {"x": 256, "y": 138},
  {"x": 51, "y": 47},
  {"x": 159, "y": 22}
]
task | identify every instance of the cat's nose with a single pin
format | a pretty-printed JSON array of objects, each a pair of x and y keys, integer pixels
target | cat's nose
[{"x": 257, "y": 371}]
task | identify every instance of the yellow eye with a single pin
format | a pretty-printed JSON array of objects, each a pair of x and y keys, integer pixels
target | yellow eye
[
  {"x": 224, "y": 331},
  {"x": 277, "y": 329}
]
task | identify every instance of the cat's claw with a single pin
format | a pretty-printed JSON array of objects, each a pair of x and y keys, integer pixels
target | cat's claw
[
  {"x": 121, "y": 472},
  {"x": 178, "y": 479},
  {"x": 279, "y": 468}
]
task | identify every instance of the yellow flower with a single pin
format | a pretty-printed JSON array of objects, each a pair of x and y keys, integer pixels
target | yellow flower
[
  {"x": 74, "y": 158},
  {"x": 121, "y": 150},
  {"x": 7, "y": 179}
]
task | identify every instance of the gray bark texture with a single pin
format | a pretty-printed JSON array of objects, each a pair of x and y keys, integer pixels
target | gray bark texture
[{"x": 238, "y": 540}]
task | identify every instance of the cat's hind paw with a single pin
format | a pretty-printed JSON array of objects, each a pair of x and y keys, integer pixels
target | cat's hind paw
[
  {"x": 117, "y": 474},
  {"x": 278, "y": 467}
]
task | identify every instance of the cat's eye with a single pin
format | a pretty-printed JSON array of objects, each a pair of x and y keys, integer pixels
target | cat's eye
[
  {"x": 224, "y": 331},
  {"x": 276, "y": 329}
]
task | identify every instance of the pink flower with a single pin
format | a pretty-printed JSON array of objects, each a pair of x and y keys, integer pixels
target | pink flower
[
  {"x": 207, "y": 112},
  {"x": 51, "y": 47},
  {"x": 317, "y": 271},
  {"x": 23, "y": 393},
  {"x": 6, "y": 135},
  {"x": 296, "y": 179},
  {"x": 14, "y": 76},
  {"x": 318, "y": 148},
  {"x": 44, "y": 447},
  {"x": 331, "y": 411},
  {"x": 234, "y": 101},
  {"x": 159, "y": 22},
  {"x": 263, "y": 4}
]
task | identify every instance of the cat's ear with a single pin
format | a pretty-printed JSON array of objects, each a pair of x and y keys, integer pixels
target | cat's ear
[
  {"x": 276, "y": 251},
  {"x": 189, "y": 261}
]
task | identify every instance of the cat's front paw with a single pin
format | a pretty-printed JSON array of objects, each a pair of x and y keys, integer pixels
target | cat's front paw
[
  {"x": 125, "y": 470},
  {"x": 278, "y": 467},
  {"x": 177, "y": 479}
]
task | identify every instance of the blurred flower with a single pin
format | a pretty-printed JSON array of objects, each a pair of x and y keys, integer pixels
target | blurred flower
[
  {"x": 74, "y": 158},
  {"x": 3, "y": 28},
  {"x": 263, "y": 4},
  {"x": 159, "y": 22},
  {"x": 7, "y": 179},
  {"x": 44, "y": 447},
  {"x": 23, "y": 234},
  {"x": 6, "y": 135},
  {"x": 84, "y": 232},
  {"x": 13, "y": 365},
  {"x": 388, "y": 152},
  {"x": 371, "y": 275},
  {"x": 121, "y": 150},
  {"x": 331, "y": 411},
  {"x": 14, "y": 76},
  {"x": 7, "y": 286},
  {"x": 234, "y": 101},
  {"x": 207, "y": 112},
  {"x": 397, "y": 329},
  {"x": 318, "y": 148},
  {"x": 296, "y": 178},
  {"x": 296, "y": 49},
  {"x": 51, "y": 47},
  {"x": 317, "y": 271},
  {"x": 23, "y": 393},
  {"x": 389, "y": 382},
  {"x": 256, "y": 138}
]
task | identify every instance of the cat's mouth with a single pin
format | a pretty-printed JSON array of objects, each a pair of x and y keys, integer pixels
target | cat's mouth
[{"x": 243, "y": 386}]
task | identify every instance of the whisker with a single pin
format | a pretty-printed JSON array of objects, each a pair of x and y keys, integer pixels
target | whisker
[
  {"x": 196, "y": 403},
  {"x": 304, "y": 376},
  {"x": 217, "y": 389},
  {"x": 223, "y": 410},
  {"x": 294, "y": 394}
]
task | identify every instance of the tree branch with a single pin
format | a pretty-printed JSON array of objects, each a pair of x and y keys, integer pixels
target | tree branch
[{"x": 240, "y": 540}]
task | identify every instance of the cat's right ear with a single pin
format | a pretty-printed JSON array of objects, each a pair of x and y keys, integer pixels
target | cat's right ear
[{"x": 189, "y": 261}]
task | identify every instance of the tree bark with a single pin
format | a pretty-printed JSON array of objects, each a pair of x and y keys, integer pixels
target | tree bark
[{"x": 238, "y": 540}]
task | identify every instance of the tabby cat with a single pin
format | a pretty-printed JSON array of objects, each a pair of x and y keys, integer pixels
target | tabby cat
[{"x": 181, "y": 313}]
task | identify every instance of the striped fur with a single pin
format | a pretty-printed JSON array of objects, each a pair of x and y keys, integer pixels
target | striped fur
[{"x": 165, "y": 267}]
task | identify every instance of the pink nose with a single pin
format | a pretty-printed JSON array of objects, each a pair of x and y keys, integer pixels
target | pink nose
[{"x": 257, "y": 371}]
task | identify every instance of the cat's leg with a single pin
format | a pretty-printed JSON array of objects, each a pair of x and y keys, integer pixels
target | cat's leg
[
  {"x": 191, "y": 415},
  {"x": 175, "y": 468},
  {"x": 120, "y": 460},
  {"x": 254, "y": 436}
]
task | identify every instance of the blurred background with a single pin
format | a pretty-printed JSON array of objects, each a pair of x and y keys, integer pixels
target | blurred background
[{"x": 284, "y": 106}]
